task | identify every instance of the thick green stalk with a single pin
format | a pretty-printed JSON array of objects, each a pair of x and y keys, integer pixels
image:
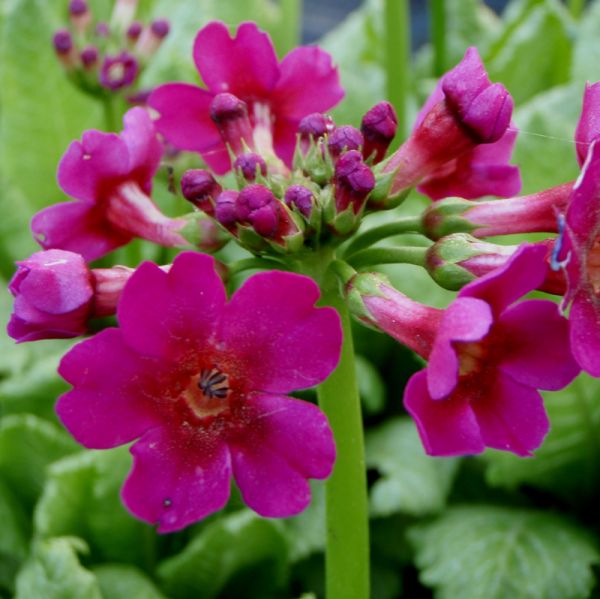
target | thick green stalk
[
  {"x": 111, "y": 118},
  {"x": 397, "y": 58},
  {"x": 288, "y": 36},
  {"x": 347, "y": 552},
  {"x": 389, "y": 255},
  {"x": 437, "y": 19},
  {"x": 406, "y": 224}
]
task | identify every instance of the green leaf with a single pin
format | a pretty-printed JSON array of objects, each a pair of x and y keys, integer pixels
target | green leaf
[
  {"x": 27, "y": 446},
  {"x": 54, "y": 572},
  {"x": 120, "y": 581},
  {"x": 240, "y": 550},
  {"x": 411, "y": 482},
  {"x": 567, "y": 461},
  {"x": 493, "y": 552},
  {"x": 81, "y": 498},
  {"x": 586, "y": 52},
  {"x": 371, "y": 385}
]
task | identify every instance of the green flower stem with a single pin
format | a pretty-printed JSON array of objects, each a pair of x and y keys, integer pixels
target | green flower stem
[
  {"x": 347, "y": 551},
  {"x": 407, "y": 224},
  {"x": 437, "y": 12},
  {"x": 255, "y": 264},
  {"x": 393, "y": 255},
  {"x": 576, "y": 7},
  {"x": 111, "y": 118},
  {"x": 291, "y": 25},
  {"x": 397, "y": 58}
]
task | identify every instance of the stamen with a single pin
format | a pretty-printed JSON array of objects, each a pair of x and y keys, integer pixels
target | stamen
[{"x": 213, "y": 383}]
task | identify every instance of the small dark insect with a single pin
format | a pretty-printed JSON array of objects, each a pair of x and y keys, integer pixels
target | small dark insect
[{"x": 213, "y": 383}]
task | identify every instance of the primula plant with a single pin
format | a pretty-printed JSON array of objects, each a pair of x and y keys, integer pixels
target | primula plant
[{"x": 289, "y": 323}]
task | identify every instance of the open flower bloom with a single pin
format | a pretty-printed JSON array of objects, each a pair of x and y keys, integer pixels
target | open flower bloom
[
  {"x": 461, "y": 143},
  {"x": 582, "y": 255},
  {"x": 489, "y": 358},
  {"x": 278, "y": 94},
  {"x": 202, "y": 384},
  {"x": 110, "y": 176}
]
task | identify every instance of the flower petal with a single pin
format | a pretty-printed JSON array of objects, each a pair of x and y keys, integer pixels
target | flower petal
[
  {"x": 116, "y": 394},
  {"x": 79, "y": 227},
  {"x": 447, "y": 427},
  {"x": 524, "y": 272},
  {"x": 179, "y": 477},
  {"x": 284, "y": 139},
  {"x": 585, "y": 331},
  {"x": 466, "y": 320},
  {"x": 272, "y": 326},
  {"x": 88, "y": 164},
  {"x": 536, "y": 345},
  {"x": 176, "y": 311},
  {"x": 245, "y": 65},
  {"x": 308, "y": 83},
  {"x": 511, "y": 416},
  {"x": 588, "y": 127}
]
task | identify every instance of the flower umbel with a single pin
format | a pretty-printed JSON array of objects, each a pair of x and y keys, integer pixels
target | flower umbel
[{"x": 202, "y": 384}]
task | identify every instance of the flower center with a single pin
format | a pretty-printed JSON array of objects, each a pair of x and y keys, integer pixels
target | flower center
[
  {"x": 593, "y": 264},
  {"x": 470, "y": 357},
  {"x": 207, "y": 393}
]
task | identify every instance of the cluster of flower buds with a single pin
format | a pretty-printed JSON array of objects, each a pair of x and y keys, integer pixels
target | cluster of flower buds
[{"x": 102, "y": 57}]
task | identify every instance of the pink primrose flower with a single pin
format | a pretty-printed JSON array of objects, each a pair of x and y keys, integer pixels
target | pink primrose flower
[
  {"x": 110, "y": 176},
  {"x": 278, "y": 94},
  {"x": 200, "y": 384},
  {"x": 489, "y": 358}
]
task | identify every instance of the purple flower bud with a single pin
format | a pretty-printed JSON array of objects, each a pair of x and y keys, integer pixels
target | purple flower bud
[
  {"x": 344, "y": 139},
  {"x": 53, "y": 296},
  {"x": 354, "y": 181},
  {"x": 257, "y": 206},
  {"x": 230, "y": 115},
  {"x": 102, "y": 29},
  {"x": 247, "y": 163},
  {"x": 225, "y": 208},
  {"x": 378, "y": 127},
  {"x": 199, "y": 187},
  {"x": 160, "y": 28},
  {"x": 63, "y": 42},
  {"x": 89, "y": 56},
  {"x": 134, "y": 30},
  {"x": 118, "y": 71},
  {"x": 78, "y": 7},
  {"x": 315, "y": 125},
  {"x": 301, "y": 197}
]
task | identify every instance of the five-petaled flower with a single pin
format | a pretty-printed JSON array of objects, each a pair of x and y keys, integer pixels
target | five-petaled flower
[
  {"x": 278, "y": 94},
  {"x": 202, "y": 384}
]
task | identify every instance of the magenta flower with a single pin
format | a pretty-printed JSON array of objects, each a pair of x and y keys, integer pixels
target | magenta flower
[
  {"x": 202, "y": 384},
  {"x": 588, "y": 127},
  {"x": 110, "y": 176},
  {"x": 489, "y": 358},
  {"x": 461, "y": 142},
  {"x": 582, "y": 251},
  {"x": 278, "y": 94},
  {"x": 53, "y": 293}
]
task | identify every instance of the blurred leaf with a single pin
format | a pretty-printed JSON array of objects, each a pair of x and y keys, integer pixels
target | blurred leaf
[
  {"x": 586, "y": 52},
  {"x": 567, "y": 461},
  {"x": 239, "y": 545},
  {"x": 118, "y": 581},
  {"x": 371, "y": 385},
  {"x": 411, "y": 482},
  {"x": 545, "y": 151},
  {"x": 492, "y": 552},
  {"x": 518, "y": 59},
  {"x": 54, "y": 572},
  {"x": 27, "y": 446},
  {"x": 81, "y": 498}
]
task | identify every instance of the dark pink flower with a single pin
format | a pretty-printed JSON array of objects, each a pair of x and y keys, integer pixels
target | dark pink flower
[
  {"x": 489, "y": 358},
  {"x": 278, "y": 94},
  {"x": 582, "y": 254},
  {"x": 110, "y": 176},
  {"x": 119, "y": 71},
  {"x": 461, "y": 142},
  {"x": 202, "y": 384},
  {"x": 588, "y": 127}
]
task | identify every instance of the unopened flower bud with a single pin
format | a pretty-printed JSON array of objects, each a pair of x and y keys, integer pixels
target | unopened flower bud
[
  {"x": 248, "y": 164},
  {"x": 199, "y": 187},
  {"x": 80, "y": 15},
  {"x": 160, "y": 28},
  {"x": 134, "y": 31},
  {"x": 230, "y": 115},
  {"x": 225, "y": 209},
  {"x": 312, "y": 127},
  {"x": 378, "y": 126},
  {"x": 354, "y": 180},
  {"x": 344, "y": 139},
  {"x": 89, "y": 57},
  {"x": 152, "y": 37},
  {"x": 300, "y": 197},
  {"x": 118, "y": 71},
  {"x": 102, "y": 29},
  {"x": 257, "y": 206},
  {"x": 63, "y": 46}
]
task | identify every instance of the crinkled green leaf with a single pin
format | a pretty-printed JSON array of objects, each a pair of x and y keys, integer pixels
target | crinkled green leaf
[
  {"x": 411, "y": 482},
  {"x": 54, "y": 572},
  {"x": 120, "y": 581},
  {"x": 81, "y": 498},
  {"x": 496, "y": 553},
  {"x": 239, "y": 551},
  {"x": 27, "y": 446},
  {"x": 567, "y": 461}
]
